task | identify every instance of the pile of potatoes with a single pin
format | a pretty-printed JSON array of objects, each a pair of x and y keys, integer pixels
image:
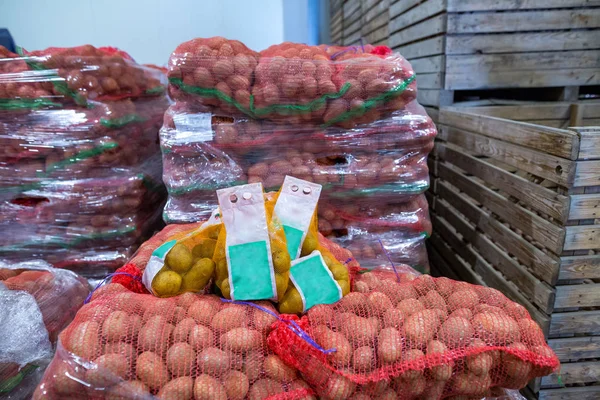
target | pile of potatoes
[
  {"x": 290, "y": 82},
  {"x": 123, "y": 345},
  {"x": 86, "y": 71},
  {"x": 431, "y": 337}
]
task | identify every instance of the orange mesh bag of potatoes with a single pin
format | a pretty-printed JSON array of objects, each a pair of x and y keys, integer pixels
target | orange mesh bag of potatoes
[
  {"x": 427, "y": 338},
  {"x": 183, "y": 264},
  {"x": 252, "y": 262},
  {"x": 125, "y": 345},
  {"x": 316, "y": 276}
]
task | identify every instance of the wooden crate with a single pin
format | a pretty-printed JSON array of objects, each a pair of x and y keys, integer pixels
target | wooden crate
[
  {"x": 375, "y": 21},
  {"x": 335, "y": 21},
  {"x": 516, "y": 206},
  {"x": 459, "y": 45},
  {"x": 351, "y": 22}
]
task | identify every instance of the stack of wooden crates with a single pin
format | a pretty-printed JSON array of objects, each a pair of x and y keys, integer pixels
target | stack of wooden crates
[{"x": 515, "y": 185}]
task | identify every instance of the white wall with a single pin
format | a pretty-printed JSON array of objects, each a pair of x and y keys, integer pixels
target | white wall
[{"x": 149, "y": 30}]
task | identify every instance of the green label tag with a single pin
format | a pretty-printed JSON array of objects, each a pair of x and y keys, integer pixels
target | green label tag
[
  {"x": 162, "y": 250},
  {"x": 250, "y": 272},
  {"x": 314, "y": 281},
  {"x": 293, "y": 237}
]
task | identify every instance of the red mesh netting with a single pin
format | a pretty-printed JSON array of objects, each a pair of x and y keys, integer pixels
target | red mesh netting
[
  {"x": 128, "y": 346},
  {"x": 426, "y": 338}
]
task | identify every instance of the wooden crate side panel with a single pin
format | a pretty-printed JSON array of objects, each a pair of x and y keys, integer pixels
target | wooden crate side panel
[
  {"x": 537, "y": 292},
  {"x": 515, "y": 21},
  {"x": 428, "y": 65},
  {"x": 417, "y": 14},
  {"x": 575, "y": 323},
  {"x": 400, "y": 6},
  {"x": 582, "y": 237},
  {"x": 571, "y": 393},
  {"x": 572, "y": 373},
  {"x": 587, "y": 173},
  {"x": 430, "y": 81},
  {"x": 534, "y": 195},
  {"x": 377, "y": 36},
  {"x": 583, "y": 295},
  {"x": 423, "y": 30},
  {"x": 552, "y": 168},
  {"x": 424, "y": 48},
  {"x": 435, "y": 97},
  {"x": 503, "y": 5},
  {"x": 379, "y": 21},
  {"x": 590, "y": 138},
  {"x": 459, "y": 267},
  {"x": 542, "y": 265},
  {"x": 579, "y": 267},
  {"x": 438, "y": 265},
  {"x": 576, "y": 348},
  {"x": 522, "y": 42}
]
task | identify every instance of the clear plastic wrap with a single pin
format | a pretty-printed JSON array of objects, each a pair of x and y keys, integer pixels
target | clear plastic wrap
[
  {"x": 292, "y": 83},
  {"x": 55, "y": 77},
  {"x": 36, "y": 303},
  {"x": 204, "y": 152}
]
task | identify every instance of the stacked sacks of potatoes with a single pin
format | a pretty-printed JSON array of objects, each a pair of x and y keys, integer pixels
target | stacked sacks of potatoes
[{"x": 73, "y": 118}]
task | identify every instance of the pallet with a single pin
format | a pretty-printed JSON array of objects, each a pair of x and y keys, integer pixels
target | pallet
[
  {"x": 515, "y": 205},
  {"x": 466, "y": 45}
]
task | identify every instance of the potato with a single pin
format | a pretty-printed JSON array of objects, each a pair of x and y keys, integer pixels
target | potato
[
  {"x": 121, "y": 325},
  {"x": 345, "y": 286},
  {"x": 433, "y": 300},
  {"x": 198, "y": 275},
  {"x": 179, "y": 258},
  {"x": 479, "y": 364},
  {"x": 177, "y": 315},
  {"x": 479, "y": 308},
  {"x": 388, "y": 394},
  {"x": 514, "y": 366},
  {"x": 182, "y": 330},
  {"x": 228, "y": 318},
  {"x": 208, "y": 388},
  {"x": 181, "y": 388},
  {"x": 389, "y": 345},
  {"x": 122, "y": 348},
  {"x": 236, "y": 385},
  {"x": 277, "y": 370},
  {"x": 444, "y": 371},
  {"x": 353, "y": 301},
  {"x": 167, "y": 283},
  {"x": 496, "y": 329},
  {"x": 291, "y": 302},
  {"x": 151, "y": 370},
  {"x": 202, "y": 311},
  {"x": 455, "y": 332},
  {"x": 83, "y": 340},
  {"x": 420, "y": 327},
  {"x": 546, "y": 353},
  {"x": 362, "y": 396},
  {"x": 363, "y": 359},
  {"x": 531, "y": 332},
  {"x": 321, "y": 314},
  {"x": 463, "y": 313},
  {"x": 338, "y": 388},
  {"x": 361, "y": 287},
  {"x": 410, "y": 306},
  {"x": 310, "y": 244},
  {"x": 262, "y": 320},
  {"x": 180, "y": 359},
  {"x": 155, "y": 335},
  {"x": 185, "y": 300},
  {"x": 282, "y": 282},
  {"x": 241, "y": 340},
  {"x": 252, "y": 365},
  {"x": 157, "y": 307},
  {"x": 411, "y": 355},
  {"x": 108, "y": 369},
  {"x": 471, "y": 384},
  {"x": 463, "y": 299},
  {"x": 371, "y": 279},
  {"x": 424, "y": 284},
  {"x": 494, "y": 297},
  {"x": 127, "y": 390},
  {"x": 201, "y": 337},
  {"x": 393, "y": 318},
  {"x": 333, "y": 340},
  {"x": 358, "y": 330},
  {"x": 213, "y": 361},
  {"x": 340, "y": 272},
  {"x": 281, "y": 260},
  {"x": 405, "y": 292},
  {"x": 444, "y": 286},
  {"x": 516, "y": 310},
  {"x": 205, "y": 248},
  {"x": 381, "y": 303}
]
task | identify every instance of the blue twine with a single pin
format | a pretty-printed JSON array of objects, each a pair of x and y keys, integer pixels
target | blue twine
[
  {"x": 348, "y": 261},
  {"x": 362, "y": 44},
  {"x": 103, "y": 281},
  {"x": 390, "y": 259},
  {"x": 294, "y": 328},
  {"x": 347, "y": 49}
]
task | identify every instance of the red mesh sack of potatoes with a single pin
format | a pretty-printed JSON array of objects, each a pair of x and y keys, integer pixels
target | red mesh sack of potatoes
[
  {"x": 216, "y": 72},
  {"x": 425, "y": 338},
  {"x": 124, "y": 345}
]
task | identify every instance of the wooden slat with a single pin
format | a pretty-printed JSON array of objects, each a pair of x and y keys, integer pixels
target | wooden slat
[
  {"x": 498, "y": 5},
  {"x": 575, "y": 323},
  {"x": 422, "y": 30},
  {"x": 430, "y": 81},
  {"x": 377, "y": 22},
  {"x": 350, "y": 9},
  {"x": 428, "y": 64},
  {"x": 587, "y": 173},
  {"x": 438, "y": 263},
  {"x": 571, "y": 373},
  {"x": 590, "y": 138},
  {"x": 515, "y": 21},
  {"x": 577, "y": 348},
  {"x": 371, "y": 8},
  {"x": 555, "y": 169},
  {"x": 417, "y": 14},
  {"x": 491, "y": 277},
  {"x": 522, "y": 42},
  {"x": 354, "y": 27},
  {"x": 400, "y": 6},
  {"x": 424, "y": 48},
  {"x": 561, "y": 143},
  {"x": 458, "y": 266},
  {"x": 435, "y": 97},
  {"x": 530, "y": 112},
  {"x": 579, "y": 267},
  {"x": 583, "y": 295},
  {"x": 582, "y": 237},
  {"x": 377, "y": 35},
  {"x": 352, "y": 39},
  {"x": 544, "y": 232},
  {"x": 530, "y": 193},
  {"x": 433, "y": 113},
  {"x": 542, "y": 265},
  {"x": 571, "y": 393},
  {"x": 538, "y": 292}
]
